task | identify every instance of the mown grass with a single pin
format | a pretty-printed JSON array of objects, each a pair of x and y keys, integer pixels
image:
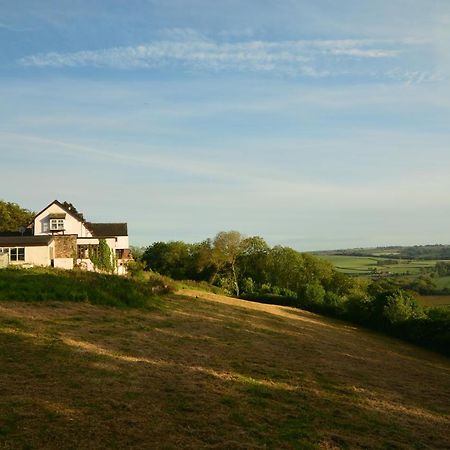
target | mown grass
[
  {"x": 64, "y": 285},
  {"x": 88, "y": 377}
]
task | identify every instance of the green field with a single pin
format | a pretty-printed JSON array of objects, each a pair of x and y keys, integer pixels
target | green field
[{"x": 361, "y": 265}]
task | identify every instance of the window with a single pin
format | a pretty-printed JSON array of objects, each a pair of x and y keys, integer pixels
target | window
[
  {"x": 86, "y": 250},
  {"x": 83, "y": 251},
  {"x": 17, "y": 254},
  {"x": 56, "y": 224}
]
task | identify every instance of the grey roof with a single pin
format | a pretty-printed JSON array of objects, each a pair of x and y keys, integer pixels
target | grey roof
[
  {"x": 24, "y": 241},
  {"x": 27, "y": 232},
  {"x": 107, "y": 229}
]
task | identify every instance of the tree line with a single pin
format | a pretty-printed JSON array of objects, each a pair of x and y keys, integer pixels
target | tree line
[{"x": 249, "y": 268}]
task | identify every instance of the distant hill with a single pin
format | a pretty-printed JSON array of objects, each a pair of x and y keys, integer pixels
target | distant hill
[{"x": 421, "y": 252}]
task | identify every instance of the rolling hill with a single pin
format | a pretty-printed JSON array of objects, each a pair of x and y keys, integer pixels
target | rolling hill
[{"x": 205, "y": 371}]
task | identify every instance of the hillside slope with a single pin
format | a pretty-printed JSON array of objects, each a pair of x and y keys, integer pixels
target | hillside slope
[{"x": 211, "y": 372}]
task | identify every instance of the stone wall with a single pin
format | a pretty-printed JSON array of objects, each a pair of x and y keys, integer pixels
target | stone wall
[{"x": 65, "y": 246}]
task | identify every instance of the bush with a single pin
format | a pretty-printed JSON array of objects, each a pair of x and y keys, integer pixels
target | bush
[
  {"x": 401, "y": 307},
  {"x": 315, "y": 293}
]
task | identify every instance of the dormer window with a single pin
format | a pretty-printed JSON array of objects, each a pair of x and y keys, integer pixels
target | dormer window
[{"x": 56, "y": 222}]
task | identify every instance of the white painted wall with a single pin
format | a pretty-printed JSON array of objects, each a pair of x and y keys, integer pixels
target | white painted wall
[
  {"x": 36, "y": 255},
  {"x": 72, "y": 225},
  {"x": 86, "y": 241},
  {"x": 63, "y": 263},
  {"x": 122, "y": 242}
]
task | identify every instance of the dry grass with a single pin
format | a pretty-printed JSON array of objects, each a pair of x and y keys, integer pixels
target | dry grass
[
  {"x": 212, "y": 372},
  {"x": 435, "y": 300}
]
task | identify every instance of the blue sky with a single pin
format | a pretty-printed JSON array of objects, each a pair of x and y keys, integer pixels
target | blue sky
[{"x": 316, "y": 124}]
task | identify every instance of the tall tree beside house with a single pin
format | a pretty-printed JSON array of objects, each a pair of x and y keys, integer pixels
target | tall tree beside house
[{"x": 13, "y": 217}]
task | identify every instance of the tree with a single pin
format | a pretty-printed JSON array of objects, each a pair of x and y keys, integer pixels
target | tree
[
  {"x": 168, "y": 258},
  {"x": 227, "y": 246},
  {"x": 13, "y": 217},
  {"x": 201, "y": 266},
  {"x": 402, "y": 306},
  {"x": 252, "y": 261}
]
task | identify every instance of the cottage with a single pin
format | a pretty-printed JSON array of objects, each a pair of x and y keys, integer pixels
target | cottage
[{"x": 59, "y": 236}]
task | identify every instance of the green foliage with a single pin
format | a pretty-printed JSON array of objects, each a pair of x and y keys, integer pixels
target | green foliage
[
  {"x": 314, "y": 292},
  {"x": 103, "y": 259},
  {"x": 180, "y": 260},
  {"x": 442, "y": 268},
  {"x": 78, "y": 286},
  {"x": 400, "y": 307},
  {"x": 282, "y": 275},
  {"x": 12, "y": 216}
]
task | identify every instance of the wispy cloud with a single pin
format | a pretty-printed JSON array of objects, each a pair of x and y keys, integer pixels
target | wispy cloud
[{"x": 193, "y": 51}]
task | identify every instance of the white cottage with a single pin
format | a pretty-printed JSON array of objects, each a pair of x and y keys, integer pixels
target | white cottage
[{"x": 59, "y": 236}]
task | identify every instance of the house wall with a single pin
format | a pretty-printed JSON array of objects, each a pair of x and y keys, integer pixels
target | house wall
[
  {"x": 72, "y": 225},
  {"x": 122, "y": 242},
  {"x": 63, "y": 263},
  {"x": 4, "y": 260},
  {"x": 65, "y": 246},
  {"x": 36, "y": 255}
]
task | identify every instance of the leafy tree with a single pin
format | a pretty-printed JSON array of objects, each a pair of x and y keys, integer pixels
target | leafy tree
[
  {"x": 253, "y": 261},
  {"x": 400, "y": 307},
  {"x": 285, "y": 267},
  {"x": 168, "y": 258},
  {"x": 13, "y": 217},
  {"x": 315, "y": 292},
  {"x": 137, "y": 252},
  {"x": 227, "y": 247}
]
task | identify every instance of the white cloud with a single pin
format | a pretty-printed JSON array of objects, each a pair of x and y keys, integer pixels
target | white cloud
[{"x": 191, "y": 50}]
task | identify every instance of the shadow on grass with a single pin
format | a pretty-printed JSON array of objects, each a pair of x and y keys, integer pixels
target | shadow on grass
[{"x": 80, "y": 391}]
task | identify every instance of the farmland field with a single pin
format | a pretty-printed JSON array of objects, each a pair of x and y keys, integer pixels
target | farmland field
[
  {"x": 434, "y": 300},
  {"x": 360, "y": 265}
]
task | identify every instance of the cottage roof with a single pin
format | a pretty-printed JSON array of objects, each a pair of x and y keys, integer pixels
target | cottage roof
[
  {"x": 107, "y": 229},
  {"x": 68, "y": 211},
  {"x": 24, "y": 241}
]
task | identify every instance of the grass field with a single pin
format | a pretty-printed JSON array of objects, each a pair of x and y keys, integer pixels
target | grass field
[
  {"x": 434, "y": 300},
  {"x": 206, "y": 371},
  {"x": 365, "y": 265}
]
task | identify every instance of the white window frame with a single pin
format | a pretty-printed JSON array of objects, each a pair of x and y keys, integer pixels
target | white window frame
[
  {"x": 57, "y": 224},
  {"x": 13, "y": 253}
]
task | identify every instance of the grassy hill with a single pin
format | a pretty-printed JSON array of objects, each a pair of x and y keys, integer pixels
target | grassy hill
[{"x": 205, "y": 371}]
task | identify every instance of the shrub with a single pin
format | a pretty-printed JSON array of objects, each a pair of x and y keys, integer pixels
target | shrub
[
  {"x": 314, "y": 293},
  {"x": 400, "y": 307}
]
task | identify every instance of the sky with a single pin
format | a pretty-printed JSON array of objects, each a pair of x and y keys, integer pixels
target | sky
[{"x": 318, "y": 124}]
